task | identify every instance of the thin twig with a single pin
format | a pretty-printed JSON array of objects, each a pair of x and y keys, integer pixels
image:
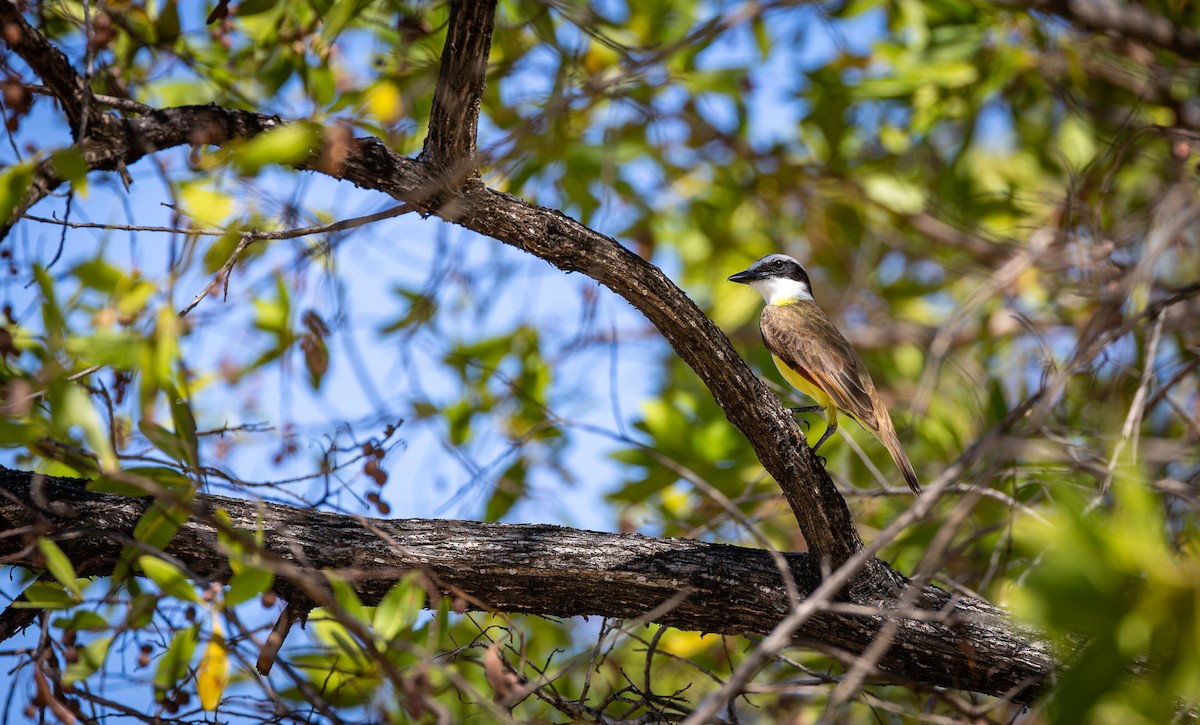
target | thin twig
[
  {"x": 253, "y": 236},
  {"x": 125, "y": 227},
  {"x": 1129, "y": 431}
]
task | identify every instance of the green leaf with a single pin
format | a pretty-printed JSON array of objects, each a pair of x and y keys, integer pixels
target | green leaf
[
  {"x": 166, "y": 25},
  {"x": 185, "y": 428},
  {"x": 82, "y": 621},
  {"x": 286, "y": 146},
  {"x": 761, "y": 36},
  {"x": 168, "y": 478},
  {"x": 458, "y": 420},
  {"x": 166, "y": 347},
  {"x": 510, "y": 488},
  {"x": 895, "y": 193},
  {"x": 141, "y": 611},
  {"x": 122, "y": 349},
  {"x": 247, "y": 584},
  {"x": 14, "y": 184},
  {"x": 159, "y": 524},
  {"x": 346, "y": 597},
  {"x": 399, "y": 608},
  {"x": 339, "y": 17},
  {"x": 60, "y": 566},
  {"x": 173, "y": 665},
  {"x": 91, "y": 659},
  {"x": 170, "y": 580},
  {"x": 71, "y": 406},
  {"x": 70, "y": 165},
  {"x": 166, "y": 441},
  {"x": 339, "y": 684},
  {"x": 44, "y": 595}
]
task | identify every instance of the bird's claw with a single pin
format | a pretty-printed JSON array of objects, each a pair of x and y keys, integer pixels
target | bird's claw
[{"x": 822, "y": 461}]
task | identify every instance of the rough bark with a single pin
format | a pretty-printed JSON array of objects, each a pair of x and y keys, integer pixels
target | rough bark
[
  {"x": 552, "y": 571},
  {"x": 454, "y": 117}
]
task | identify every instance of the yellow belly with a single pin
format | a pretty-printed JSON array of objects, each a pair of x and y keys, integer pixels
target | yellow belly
[{"x": 799, "y": 382}]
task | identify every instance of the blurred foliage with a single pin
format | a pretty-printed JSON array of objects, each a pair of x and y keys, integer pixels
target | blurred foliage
[
  {"x": 990, "y": 202},
  {"x": 1123, "y": 592}
]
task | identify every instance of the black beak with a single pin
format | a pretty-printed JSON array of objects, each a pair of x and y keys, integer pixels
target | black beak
[{"x": 745, "y": 277}]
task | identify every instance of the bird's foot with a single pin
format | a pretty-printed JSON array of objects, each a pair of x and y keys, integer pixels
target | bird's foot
[{"x": 803, "y": 423}]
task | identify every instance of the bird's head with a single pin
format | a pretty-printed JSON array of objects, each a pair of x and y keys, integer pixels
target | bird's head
[{"x": 778, "y": 278}]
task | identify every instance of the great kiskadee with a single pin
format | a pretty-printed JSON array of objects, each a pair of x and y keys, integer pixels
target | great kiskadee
[{"x": 815, "y": 358}]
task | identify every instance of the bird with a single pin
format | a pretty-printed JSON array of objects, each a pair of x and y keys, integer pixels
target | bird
[{"x": 814, "y": 357}]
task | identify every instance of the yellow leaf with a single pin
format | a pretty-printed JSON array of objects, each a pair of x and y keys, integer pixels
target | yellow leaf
[
  {"x": 213, "y": 674},
  {"x": 205, "y": 205},
  {"x": 599, "y": 58},
  {"x": 894, "y": 193},
  {"x": 385, "y": 103},
  {"x": 685, "y": 644}
]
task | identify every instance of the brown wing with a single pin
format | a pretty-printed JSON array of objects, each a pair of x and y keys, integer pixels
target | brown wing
[{"x": 804, "y": 337}]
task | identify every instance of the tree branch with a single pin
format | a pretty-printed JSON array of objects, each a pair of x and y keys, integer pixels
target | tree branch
[
  {"x": 454, "y": 116},
  {"x": 553, "y": 571},
  {"x": 52, "y": 66}
]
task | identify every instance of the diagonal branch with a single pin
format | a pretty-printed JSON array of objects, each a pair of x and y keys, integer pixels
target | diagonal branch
[
  {"x": 53, "y": 67},
  {"x": 550, "y": 570}
]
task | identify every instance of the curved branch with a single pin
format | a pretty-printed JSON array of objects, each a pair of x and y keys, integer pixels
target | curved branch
[{"x": 941, "y": 640}]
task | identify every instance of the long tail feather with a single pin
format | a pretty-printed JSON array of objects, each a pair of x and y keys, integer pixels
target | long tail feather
[{"x": 887, "y": 436}]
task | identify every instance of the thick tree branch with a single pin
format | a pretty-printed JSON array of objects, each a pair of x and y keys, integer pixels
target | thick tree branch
[
  {"x": 51, "y": 65},
  {"x": 555, "y": 571},
  {"x": 454, "y": 116}
]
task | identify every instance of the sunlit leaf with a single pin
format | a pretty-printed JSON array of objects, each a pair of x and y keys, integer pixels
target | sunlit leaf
[
  {"x": 247, "y": 584},
  {"x": 398, "y": 609},
  {"x": 72, "y": 407},
  {"x": 283, "y": 145},
  {"x": 346, "y": 597},
  {"x": 40, "y": 595},
  {"x": 174, "y": 663},
  {"x": 212, "y": 674},
  {"x": 82, "y": 620},
  {"x": 70, "y": 165},
  {"x": 14, "y": 183},
  {"x": 90, "y": 661},
  {"x": 60, "y": 566},
  {"x": 170, "y": 580}
]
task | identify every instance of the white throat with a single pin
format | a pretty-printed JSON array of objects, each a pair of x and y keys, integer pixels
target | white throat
[{"x": 780, "y": 290}]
